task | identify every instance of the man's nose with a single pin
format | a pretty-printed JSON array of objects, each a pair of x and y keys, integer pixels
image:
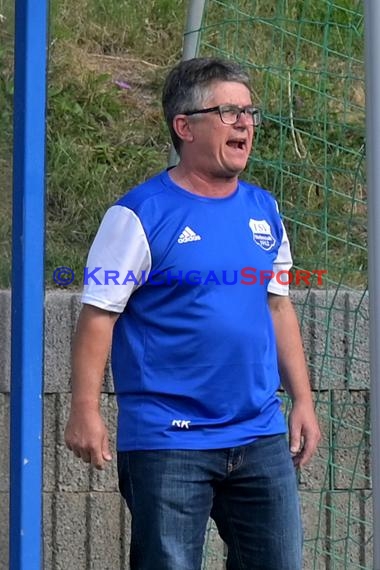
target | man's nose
[{"x": 243, "y": 120}]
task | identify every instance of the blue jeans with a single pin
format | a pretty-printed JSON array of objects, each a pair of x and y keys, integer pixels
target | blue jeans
[{"x": 249, "y": 491}]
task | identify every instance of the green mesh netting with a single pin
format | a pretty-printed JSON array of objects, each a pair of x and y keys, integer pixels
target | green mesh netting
[{"x": 306, "y": 61}]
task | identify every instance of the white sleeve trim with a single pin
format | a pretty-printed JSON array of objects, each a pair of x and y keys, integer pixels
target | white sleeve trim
[
  {"x": 119, "y": 254},
  {"x": 283, "y": 262}
]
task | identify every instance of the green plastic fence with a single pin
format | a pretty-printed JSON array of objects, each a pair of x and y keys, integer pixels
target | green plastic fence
[{"x": 306, "y": 62}]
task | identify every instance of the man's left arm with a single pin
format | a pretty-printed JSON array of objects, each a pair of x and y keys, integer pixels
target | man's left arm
[{"x": 304, "y": 431}]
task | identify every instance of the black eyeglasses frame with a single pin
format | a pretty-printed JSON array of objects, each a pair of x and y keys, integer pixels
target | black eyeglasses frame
[{"x": 254, "y": 112}]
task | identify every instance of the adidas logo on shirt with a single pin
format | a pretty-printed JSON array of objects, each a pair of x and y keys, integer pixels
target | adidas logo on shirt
[{"x": 188, "y": 235}]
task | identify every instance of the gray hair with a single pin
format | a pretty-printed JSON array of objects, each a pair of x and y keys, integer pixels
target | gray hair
[{"x": 188, "y": 84}]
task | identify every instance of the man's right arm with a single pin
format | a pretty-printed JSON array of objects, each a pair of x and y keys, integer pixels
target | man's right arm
[{"x": 86, "y": 434}]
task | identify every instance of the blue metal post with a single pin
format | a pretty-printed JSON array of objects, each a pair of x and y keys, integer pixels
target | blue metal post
[{"x": 31, "y": 19}]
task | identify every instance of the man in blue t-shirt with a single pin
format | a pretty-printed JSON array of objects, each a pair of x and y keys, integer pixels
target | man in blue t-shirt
[{"x": 187, "y": 276}]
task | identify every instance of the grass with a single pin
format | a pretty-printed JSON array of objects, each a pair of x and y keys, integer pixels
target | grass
[
  {"x": 306, "y": 62},
  {"x": 305, "y": 58},
  {"x": 102, "y": 139}
]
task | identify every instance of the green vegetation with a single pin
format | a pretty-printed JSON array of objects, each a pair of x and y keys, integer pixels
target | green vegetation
[
  {"x": 102, "y": 138},
  {"x": 306, "y": 63}
]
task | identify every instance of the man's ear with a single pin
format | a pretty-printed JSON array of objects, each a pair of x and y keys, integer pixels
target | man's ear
[{"x": 182, "y": 127}]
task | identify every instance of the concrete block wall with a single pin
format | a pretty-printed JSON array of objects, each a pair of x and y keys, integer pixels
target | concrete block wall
[{"x": 86, "y": 525}]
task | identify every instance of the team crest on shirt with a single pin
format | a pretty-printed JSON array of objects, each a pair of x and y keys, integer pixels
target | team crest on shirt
[{"x": 262, "y": 234}]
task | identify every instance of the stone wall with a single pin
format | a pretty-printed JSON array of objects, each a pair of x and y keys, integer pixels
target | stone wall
[{"x": 86, "y": 525}]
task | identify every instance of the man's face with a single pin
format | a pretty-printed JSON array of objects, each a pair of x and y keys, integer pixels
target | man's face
[{"x": 221, "y": 149}]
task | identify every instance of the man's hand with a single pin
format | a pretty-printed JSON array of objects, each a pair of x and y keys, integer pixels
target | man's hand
[
  {"x": 304, "y": 432},
  {"x": 87, "y": 437}
]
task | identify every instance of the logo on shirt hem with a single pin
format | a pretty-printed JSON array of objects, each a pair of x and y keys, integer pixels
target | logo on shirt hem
[{"x": 181, "y": 423}]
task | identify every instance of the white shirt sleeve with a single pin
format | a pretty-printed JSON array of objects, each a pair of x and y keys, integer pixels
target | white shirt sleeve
[
  {"x": 118, "y": 261},
  {"x": 279, "y": 284}
]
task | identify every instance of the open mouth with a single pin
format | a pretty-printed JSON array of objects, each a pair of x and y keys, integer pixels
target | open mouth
[{"x": 239, "y": 144}]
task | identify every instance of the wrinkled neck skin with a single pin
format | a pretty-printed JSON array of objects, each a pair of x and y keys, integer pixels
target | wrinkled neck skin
[{"x": 202, "y": 182}]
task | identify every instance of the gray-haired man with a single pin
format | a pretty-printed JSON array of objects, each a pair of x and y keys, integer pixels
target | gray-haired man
[{"x": 202, "y": 330}]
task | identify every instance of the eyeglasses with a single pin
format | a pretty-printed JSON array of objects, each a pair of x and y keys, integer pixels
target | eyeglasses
[{"x": 230, "y": 114}]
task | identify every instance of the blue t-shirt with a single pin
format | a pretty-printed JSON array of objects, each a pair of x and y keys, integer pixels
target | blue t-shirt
[{"x": 194, "y": 354}]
